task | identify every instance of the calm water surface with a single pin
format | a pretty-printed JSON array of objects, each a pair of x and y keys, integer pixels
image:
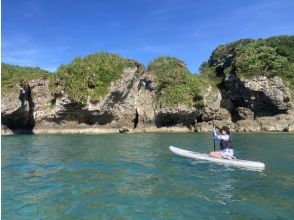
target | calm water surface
[{"x": 134, "y": 176}]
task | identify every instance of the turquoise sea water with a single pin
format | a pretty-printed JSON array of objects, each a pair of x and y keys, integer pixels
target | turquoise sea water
[{"x": 134, "y": 176}]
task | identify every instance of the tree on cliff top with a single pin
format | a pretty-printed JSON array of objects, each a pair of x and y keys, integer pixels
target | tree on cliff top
[
  {"x": 11, "y": 75},
  {"x": 175, "y": 84},
  {"x": 90, "y": 76},
  {"x": 248, "y": 58}
]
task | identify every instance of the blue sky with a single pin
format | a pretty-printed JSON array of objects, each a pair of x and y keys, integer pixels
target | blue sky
[{"x": 48, "y": 33}]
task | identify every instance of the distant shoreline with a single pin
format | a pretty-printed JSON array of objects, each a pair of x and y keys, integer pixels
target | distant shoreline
[
  {"x": 41, "y": 131},
  {"x": 100, "y": 130}
]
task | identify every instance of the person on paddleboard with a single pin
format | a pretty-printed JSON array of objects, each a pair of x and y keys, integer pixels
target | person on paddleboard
[{"x": 226, "y": 147}]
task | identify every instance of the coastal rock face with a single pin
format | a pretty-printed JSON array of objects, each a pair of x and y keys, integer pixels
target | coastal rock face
[
  {"x": 180, "y": 115},
  {"x": 213, "y": 113},
  {"x": 248, "y": 105},
  {"x": 281, "y": 122},
  {"x": 129, "y": 101},
  {"x": 261, "y": 95},
  {"x": 117, "y": 109},
  {"x": 244, "y": 113},
  {"x": 258, "y": 104},
  {"x": 17, "y": 110},
  {"x": 246, "y": 85},
  {"x": 129, "y": 104}
]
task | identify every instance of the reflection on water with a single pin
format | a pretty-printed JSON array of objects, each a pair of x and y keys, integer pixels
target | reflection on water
[{"x": 136, "y": 177}]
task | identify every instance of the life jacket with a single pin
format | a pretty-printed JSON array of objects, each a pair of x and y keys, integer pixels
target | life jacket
[{"x": 226, "y": 144}]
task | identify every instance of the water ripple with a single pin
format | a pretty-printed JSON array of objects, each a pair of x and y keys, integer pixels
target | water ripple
[{"x": 136, "y": 177}]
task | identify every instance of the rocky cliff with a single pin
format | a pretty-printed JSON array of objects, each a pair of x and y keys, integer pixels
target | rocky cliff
[
  {"x": 163, "y": 97},
  {"x": 260, "y": 104},
  {"x": 254, "y": 81}
]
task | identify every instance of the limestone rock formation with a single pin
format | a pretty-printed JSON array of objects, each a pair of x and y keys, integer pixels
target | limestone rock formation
[
  {"x": 262, "y": 95},
  {"x": 258, "y": 104},
  {"x": 17, "y": 111}
]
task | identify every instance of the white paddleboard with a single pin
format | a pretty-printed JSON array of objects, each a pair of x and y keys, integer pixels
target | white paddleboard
[{"x": 234, "y": 162}]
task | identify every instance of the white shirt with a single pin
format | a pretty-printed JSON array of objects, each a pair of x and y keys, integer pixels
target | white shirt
[{"x": 217, "y": 137}]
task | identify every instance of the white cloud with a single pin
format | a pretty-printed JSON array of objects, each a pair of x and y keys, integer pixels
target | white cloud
[{"x": 25, "y": 51}]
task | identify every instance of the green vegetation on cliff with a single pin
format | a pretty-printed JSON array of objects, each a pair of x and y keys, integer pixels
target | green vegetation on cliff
[
  {"x": 11, "y": 75},
  {"x": 90, "y": 76},
  {"x": 175, "y": 84},
  {"x": 248, "y": 58},
  {"x": 284, "y": 46}
]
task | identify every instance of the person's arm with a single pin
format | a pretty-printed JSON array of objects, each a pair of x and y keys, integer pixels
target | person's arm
[
  {"x": 219, "y": 137},
  {"x": 215, "y": 135}
]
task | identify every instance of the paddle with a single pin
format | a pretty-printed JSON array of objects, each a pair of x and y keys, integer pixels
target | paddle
[{"x": 213, "y": 137}]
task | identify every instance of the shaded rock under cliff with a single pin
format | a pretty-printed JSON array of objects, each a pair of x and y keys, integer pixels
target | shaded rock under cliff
[
  {"x": 261, "y": 95},
  {"x": 19, "y": 116},
  {"x": 177, "y": 116}
]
